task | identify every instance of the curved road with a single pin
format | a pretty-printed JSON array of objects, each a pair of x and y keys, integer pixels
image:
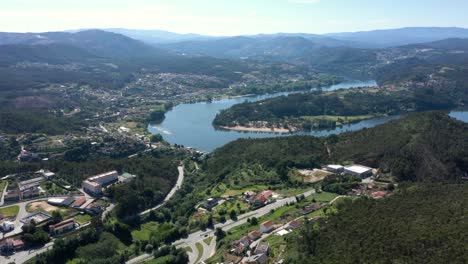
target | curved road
[
  {"x": 199, "y": 236},
  {"x": 23, "y": 256}
]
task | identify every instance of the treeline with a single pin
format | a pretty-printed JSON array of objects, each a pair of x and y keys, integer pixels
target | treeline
[
  {"x": 419, "y": 224},
  {"x": 38, "y": 121},
  {"x": 295, "y": 109},
  {"x": 427, "y": 146}
]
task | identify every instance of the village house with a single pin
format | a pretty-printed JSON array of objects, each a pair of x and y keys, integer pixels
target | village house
[
  {"x": 294, "y": 225},
  {"x": 254, "y": 235},
  {"x": 10, "y": 244},
  {"x": 267, "y": 226},
  {"x": 262, "y": 248},
  {"x": 256, "y": 259},
  {"x": 310, "y": 208},
  {"x": 62, "y": 227}
]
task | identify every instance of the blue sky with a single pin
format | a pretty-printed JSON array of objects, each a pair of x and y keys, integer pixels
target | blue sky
[{"x": 230, "y": 17}]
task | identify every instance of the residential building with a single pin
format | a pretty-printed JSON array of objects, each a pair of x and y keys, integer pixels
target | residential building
[
  {"x": 262, "y": 248},
  {"x": 210, "y": 203},
  {"x": 267, "y": 226},
  {"x": 10, "y": 244},
  {"x": 294, "y": 225},
  {"x": 79, "y": 202},
  {"x": 310, "y": 208},
  {"x": 256, "y": 259},
  {"x": 62, "y": 227},
  {"x": 254, "y": 235}
]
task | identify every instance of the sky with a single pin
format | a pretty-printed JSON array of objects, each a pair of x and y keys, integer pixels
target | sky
[{"x": 230, "y": 17}]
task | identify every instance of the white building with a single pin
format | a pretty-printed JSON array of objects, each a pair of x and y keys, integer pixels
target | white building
[
  {"x": 8, "y": 226},
  {"x": 358, "y": 170},
  {"x": 334, "y": 168},
  {"x": 96, "y": 183}
]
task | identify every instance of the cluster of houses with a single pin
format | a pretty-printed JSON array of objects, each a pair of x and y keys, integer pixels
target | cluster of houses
[
  {"x": 253, "y": 252},
  {"x": 29, "y": 188},
  {"x": 10, "y": 245},
  {"x": 256, "y": 200},
  {"x": 247, "y": 251}
]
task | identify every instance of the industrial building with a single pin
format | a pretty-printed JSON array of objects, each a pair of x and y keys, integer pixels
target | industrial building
[
  {"x": 334, "y": 168},
  {"x": 95, "y": 184},
  {"x": 358, "y": 171}
]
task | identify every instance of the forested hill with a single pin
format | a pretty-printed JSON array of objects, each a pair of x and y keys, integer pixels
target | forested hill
[
  {"x": 423, "y": 224},
  {"x": 419, "y": 147}
]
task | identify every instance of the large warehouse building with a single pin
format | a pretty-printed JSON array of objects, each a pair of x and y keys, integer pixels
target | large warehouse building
[
  {"x": 358, "y": 170},
  {"x": 95, "y": 184}
]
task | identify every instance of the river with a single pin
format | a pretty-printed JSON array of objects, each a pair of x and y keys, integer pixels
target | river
[{"x": 191, "y": 124}]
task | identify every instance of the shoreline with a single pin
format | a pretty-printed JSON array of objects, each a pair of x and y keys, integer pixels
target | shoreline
[{"x": 259, "y": 129}]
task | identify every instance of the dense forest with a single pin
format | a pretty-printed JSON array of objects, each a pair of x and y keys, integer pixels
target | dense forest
[
  {"x": 427, "y": 146},
  {"x": 323, "y": 109},
  {"x": 418, "y": 224}
]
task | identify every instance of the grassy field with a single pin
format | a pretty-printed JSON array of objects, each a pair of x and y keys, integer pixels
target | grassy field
[
  {"x": 200, "y": 251},
  {"x": 10, "y": 211},
  {"x": 339, "y": 120},
  {"x": 145, "y": 231},
  {"x": 2, "y": 186},
  {"x": 208, "y": 240},
  {"x": 82, "y": 218}
]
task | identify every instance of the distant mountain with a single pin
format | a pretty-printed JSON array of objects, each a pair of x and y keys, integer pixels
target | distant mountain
[
  {"x": 45, "y": 53},
  {"x": 265, "y": 46},
  {"x": 401, "y": 36},
  {"x": 98, "y": 42},
  {"x": 158, "y": 36}
]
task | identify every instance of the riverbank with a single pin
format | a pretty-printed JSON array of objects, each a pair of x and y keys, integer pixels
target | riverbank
[{"x": 263, "y": 129}]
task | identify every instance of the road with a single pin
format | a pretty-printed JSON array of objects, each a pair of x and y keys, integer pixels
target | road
[
  {"x": 180, "y": 180},
  {"x": 3, "y": 194},
  {"x": 199, "y": 236},
  {"x": 21, "y": 214},
  {"x": 23, "y": 256}
]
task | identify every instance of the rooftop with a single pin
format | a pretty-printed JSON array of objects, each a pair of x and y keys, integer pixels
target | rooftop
[{"x": 358, "y": 168}]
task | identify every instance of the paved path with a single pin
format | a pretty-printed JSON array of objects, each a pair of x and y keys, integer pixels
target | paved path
[
  {"x": 199, "y": 236},
  {"x": 21, "y": 214},
  {"x": 23, "y": 256},
  {"x": 180, "y": 180}
]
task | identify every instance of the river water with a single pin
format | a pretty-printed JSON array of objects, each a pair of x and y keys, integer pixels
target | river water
[{"x": 191, "y": 124}]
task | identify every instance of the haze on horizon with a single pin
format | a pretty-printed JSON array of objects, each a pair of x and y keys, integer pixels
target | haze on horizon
[{"x": 227, "y": 17}]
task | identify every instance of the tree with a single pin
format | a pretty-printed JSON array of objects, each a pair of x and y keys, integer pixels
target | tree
[
  {"x": 219, "y": 233},
  {"x": 156, "y": 138},
  {"x": 233, "y": 214},
  {"x": 253, "y": 221}
]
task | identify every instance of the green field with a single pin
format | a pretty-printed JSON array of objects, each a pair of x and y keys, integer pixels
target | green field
[
  {"x": 145, "y": 231},
  {"x": 208, "y": 240},
  {"x": 200, "y": 251},
  {"x": 2, "y": 186},
  {"x": 82, "y": 218},
  {"x": 10, "y": 211}
]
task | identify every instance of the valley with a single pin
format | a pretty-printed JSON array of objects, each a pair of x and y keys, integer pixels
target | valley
[{"x": 179, "y": 149}]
